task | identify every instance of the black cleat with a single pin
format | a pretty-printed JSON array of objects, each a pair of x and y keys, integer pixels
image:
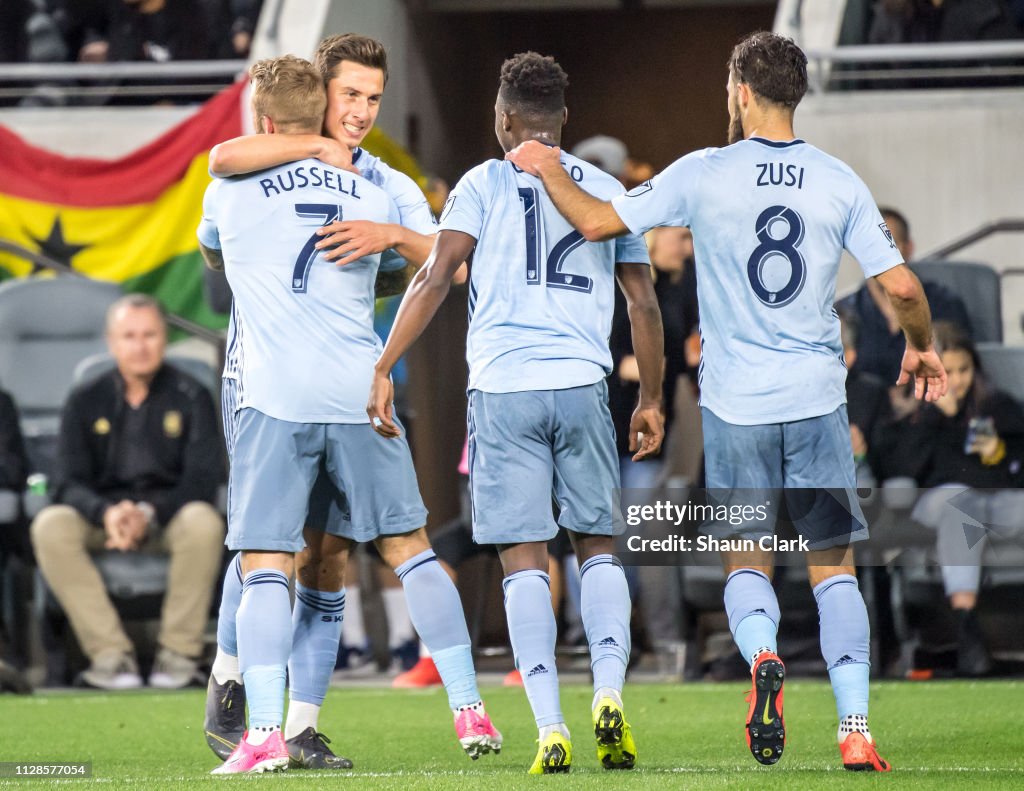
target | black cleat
[
  {"x": 309, "y": 750},
  {"x": 224, "y": 724},
  {"x": 766, "y": 731}
]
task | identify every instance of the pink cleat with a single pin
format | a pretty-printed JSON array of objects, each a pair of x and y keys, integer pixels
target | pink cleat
[
  {"x": 476, "y": 733},
  {"x": 271, "y": 756}
]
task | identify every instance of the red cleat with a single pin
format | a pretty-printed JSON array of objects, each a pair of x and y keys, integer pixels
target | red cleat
[
  {"x": 513, "y": 679},
  {"x": 422, "y": 674},
  {"x": 766, "y": 732},
  {"x": 860, "y": 755}
]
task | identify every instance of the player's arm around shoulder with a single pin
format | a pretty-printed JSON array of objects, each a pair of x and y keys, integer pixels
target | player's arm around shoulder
[
  {"x": 251, "y": 153},
  {"x": 595, "y": 219},
  {"x": 207, "y": 232}
]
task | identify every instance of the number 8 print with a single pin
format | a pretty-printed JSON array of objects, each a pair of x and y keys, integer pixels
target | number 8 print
[{"x": 769, "y": 247}]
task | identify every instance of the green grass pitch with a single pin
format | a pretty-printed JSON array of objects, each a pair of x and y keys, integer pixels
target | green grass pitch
[{"x": 947, "y": 735}]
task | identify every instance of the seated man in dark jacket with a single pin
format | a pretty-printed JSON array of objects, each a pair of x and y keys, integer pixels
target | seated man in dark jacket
[{"x": 138, "y": 466}]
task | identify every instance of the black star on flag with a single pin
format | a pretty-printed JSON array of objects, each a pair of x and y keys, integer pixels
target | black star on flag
[{"x": 55, "y": 246}]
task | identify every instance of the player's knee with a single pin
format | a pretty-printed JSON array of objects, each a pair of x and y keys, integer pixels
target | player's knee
[{"x": 395, "y": 550}]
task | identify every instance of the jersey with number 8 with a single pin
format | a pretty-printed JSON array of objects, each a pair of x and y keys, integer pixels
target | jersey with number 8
[
  {"x": 770, "y": 221},
  {"x": 540, "y": 296},
  {"x": 303, "y": 325}
]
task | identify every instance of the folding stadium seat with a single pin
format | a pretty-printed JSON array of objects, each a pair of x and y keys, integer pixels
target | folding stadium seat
[
  {"x": 47, "y": 325},
  {"x": 978, "y": 285}
]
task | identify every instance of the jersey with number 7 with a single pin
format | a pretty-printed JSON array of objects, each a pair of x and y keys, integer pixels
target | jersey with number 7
[
  {"x": 770, "y": 221},
  {"x": 304, "y": 325}
]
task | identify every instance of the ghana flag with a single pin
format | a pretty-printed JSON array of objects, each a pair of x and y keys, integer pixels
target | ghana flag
[{"x": 133, "y": 220}]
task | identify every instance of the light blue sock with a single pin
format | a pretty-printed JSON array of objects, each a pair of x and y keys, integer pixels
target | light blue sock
[
  {"x": 531, "y": 628},
  {"x": 605, "y": 608},
  {"x": 230, "y": 598},
  {"x": 753, "y": 611},
  {"x": 436, "y": 611},
  {"x": 845, "y": 642},
  {"x": 316, "y": 632},
  {"x": 264, "y": 643}
]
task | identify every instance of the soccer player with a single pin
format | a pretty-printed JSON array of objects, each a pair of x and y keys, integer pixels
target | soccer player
[
  {"x": 770, "y": 216},
  {"x": 304, "y": 327},
  {"x": 354, "y": 71},
  {"x": 540, "y": 301}
]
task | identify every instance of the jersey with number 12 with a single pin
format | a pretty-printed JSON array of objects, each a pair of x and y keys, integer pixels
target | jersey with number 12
[
  {"x": 540, "y": 296},
  {"x": 770, "y": 221},
  {"x": 303, "y": 325}
]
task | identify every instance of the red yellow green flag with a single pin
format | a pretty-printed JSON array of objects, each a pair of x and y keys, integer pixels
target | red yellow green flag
[{"x": 132, "y": 220}]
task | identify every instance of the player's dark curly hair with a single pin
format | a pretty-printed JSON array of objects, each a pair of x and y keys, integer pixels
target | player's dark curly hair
[
  {"x": 533, "y": 84},
  {"x": 773, "y": 66}
]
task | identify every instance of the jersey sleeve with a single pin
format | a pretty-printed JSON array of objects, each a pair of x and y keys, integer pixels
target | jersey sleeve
[
  {"x": 631, "y": 249},
  {"x": 207, "y": 231},
  {"x": 867, "y": 237},
  {"x": 665, "y": 199},
  {"x": 464, "y": 210},
  {"x": 413, "y": 210}
]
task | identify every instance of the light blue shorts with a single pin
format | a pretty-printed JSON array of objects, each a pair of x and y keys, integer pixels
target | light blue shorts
[
  {"x": 275, "y": 464},
  {"x": 807, "y": 462},
  {"x": 524, "y": 445}
]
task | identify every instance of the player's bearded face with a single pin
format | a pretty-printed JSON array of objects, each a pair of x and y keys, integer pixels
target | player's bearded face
[{"x": 353, "y": 101}]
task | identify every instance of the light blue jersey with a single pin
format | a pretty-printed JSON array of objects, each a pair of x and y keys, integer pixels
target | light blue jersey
[
  {"x": 540, "y": 296},
  {"x": 413, "y": 213},
  {"x": 770, "y": 221},
  {"x": 304, "y": 343}
]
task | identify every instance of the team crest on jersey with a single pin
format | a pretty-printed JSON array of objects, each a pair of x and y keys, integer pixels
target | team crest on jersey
[
  {"x": 172, "y": 423},
  {"x": 640, "y": 189},
  {"x": 888, "y": 235},
  {"x": 448, "y": 206}
]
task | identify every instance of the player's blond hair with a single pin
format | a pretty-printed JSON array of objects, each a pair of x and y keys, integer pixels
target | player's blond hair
[{"x": 290, "y": 91}]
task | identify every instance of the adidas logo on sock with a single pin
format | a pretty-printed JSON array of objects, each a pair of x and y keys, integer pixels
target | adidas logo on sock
[
  {"x": 537, "y": 671},
  {"x": 608, "y": 641},
  {"x": 845, "y": 659}
]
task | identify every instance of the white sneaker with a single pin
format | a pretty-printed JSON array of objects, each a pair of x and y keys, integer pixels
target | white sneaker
[
  {"x": 113, "y": 671},
  {"x": 171, "y": 670}
]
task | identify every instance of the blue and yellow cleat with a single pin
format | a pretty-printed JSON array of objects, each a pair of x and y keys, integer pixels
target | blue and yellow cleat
[
  {"x": 554, "y": 755},
  {"x": 615, "y": 746}
]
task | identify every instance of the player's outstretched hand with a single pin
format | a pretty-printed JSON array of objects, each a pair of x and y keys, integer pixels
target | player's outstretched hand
[
  {"x": 925, "y": 369},
  {"x": 650, "y": 424},
  {"x": 380, "y": 407},
  {"x": 348, "y": 241},
  {"x": 533, "y": 157}
]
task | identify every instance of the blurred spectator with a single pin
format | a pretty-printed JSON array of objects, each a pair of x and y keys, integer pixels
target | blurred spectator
[
  {"x": 868, "y": 407},
  {"x": 880, "y": 342},
  {"x": 13, "y": 469},
  {"x": 607, "y": 153},
  {"x": 138, "y": 467},
  {"x": 14, "y": 16},
  {"x": 969, "y": 445},
  {"x": 637, "y": 173},
  {"x": 437, "y": 194},
  {"x": 916, "y": 21},
  {"x": 100, "y": 31},
  {"x": 242, "y": 17}
]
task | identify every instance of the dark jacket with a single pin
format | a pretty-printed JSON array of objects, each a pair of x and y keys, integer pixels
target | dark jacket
[
  {"x": 13, "y": 460},
  {"x": 180, "y": 422},
  {"x": 870, "y": 410},
  {"x": 880, "y": 352},
  {"x": 929, "y": 446}
]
